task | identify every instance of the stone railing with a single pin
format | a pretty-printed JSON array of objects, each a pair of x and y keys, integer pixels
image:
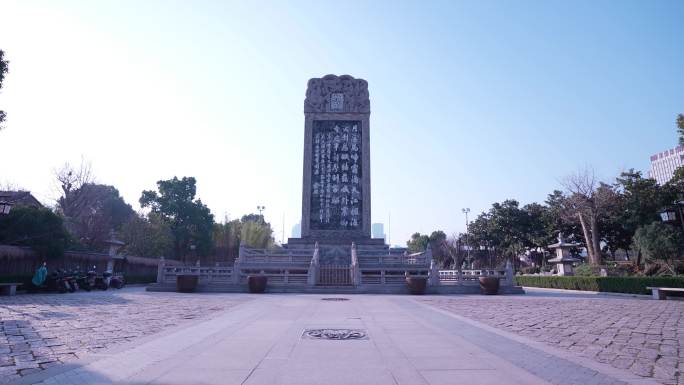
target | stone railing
[
  {"x": 393, "y": 268},
  {"x": 302, "y": 268},
  {"x": 393, "y": 259},
  {"x": 274, "y": 256},
  {"x": 207, "y": 274},
  {"x": 282, "y": 267},
  {"x": 472, "y": 276}
]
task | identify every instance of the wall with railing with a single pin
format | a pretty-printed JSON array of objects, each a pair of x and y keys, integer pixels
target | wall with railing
[
  {"x": 23, "y": 261},
  {"x": 453, "y": 277},
  {"x": 303, "y": 268}
]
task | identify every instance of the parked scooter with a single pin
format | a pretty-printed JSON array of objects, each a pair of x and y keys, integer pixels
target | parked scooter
[
  {"x": 102, "y": 282},
  {"x": 71, "y": 280},
  {"x": 56, "y": 282},
  {"x": 91, "y": 279},
  {"x": 81, "y": 280},
  {"x": 117, "y": 281}
]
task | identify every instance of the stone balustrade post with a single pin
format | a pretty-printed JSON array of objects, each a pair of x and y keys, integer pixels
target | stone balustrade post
[
  {"x": 312, "y": 274},
  {"x": 235, "y": 276},
  {"x": 508, "y": 281},
  {"x": 355, "y": 270},
  {"x": 433, "y": 279},
  {"x": 161, "y": 267}
]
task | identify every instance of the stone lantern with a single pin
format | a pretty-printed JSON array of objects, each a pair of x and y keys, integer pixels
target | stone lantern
[
  {"x": 114, "y": 246},
  {"x": 563, "y": 259}
]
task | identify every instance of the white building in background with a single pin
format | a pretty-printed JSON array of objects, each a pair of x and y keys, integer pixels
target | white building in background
[
  {"x": 378, "y": 231},
  {"x": 664, "y": 164},
  {"x": 297, "y": 230}
]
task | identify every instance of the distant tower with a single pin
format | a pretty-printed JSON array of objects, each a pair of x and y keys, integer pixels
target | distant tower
[
  {"x": 664, "y": 164},
  {"x": 378, "y": 231},
  {"x": 297, "y": 230}
]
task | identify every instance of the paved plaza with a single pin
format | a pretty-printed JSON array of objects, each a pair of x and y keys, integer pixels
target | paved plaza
[
  {"x": 40, "y": 331},
  {"x": 135, "y": 337},
  {"x": 645, "y": 337}
]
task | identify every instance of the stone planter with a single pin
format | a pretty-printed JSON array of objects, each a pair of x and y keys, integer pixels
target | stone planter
[
  {"x": 186, "y": 283},
  {"x": 416, "y": 285},
  {"x": 489, "y": 285},
  {"x": 257, "y": 283}
]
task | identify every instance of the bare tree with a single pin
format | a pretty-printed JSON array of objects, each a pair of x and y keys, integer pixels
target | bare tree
[
  {"x": 451, "y": 247},
  {"x": 10, "y": 186},
  {"x": 91, "y": 210},
  {"x": 587, "y": 201},
  {"x": 70, "y": 181}
]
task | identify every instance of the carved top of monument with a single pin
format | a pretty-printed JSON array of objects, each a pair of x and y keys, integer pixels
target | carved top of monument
[{"x": 337, "y": 94}]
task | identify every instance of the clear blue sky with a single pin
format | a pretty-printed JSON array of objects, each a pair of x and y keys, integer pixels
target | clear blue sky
[{"x": 472, "y": 102}]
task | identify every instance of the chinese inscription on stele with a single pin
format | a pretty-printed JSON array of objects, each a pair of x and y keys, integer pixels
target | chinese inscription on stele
[{"x": 336, "y": 202}]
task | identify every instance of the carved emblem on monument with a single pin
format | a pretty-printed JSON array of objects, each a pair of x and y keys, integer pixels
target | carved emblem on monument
[{"x": 336, "y": 102}]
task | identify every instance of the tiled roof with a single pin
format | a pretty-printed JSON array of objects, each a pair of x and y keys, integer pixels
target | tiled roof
[{"x": 19, "y": 198}]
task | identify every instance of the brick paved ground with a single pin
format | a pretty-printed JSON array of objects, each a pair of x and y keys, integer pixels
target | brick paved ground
[
  {"x": 643, "y": 336},
  {"x": 43, "y": 330}
]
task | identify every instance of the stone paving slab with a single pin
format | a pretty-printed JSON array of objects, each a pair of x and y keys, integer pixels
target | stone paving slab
[
  {"x": 411, "y": 340},
  {"x": 261, "y": 343},
  {"x": 40, "y": 331},
  {"x": 642, "y": 336}
]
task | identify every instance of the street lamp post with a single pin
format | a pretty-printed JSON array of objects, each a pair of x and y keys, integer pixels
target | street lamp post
[
  {"x": 671, "y": 216},
  {"x": 466, "y": 211},
  {"x": 260, "y": 209},
  {"x": 192, "y": 248},
  {"x": 679, "y": 205}
]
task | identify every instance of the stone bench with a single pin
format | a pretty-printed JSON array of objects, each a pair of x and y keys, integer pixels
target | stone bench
[
  {"x": 661, "y": 292},
  {"x": 8, "y": 288}
]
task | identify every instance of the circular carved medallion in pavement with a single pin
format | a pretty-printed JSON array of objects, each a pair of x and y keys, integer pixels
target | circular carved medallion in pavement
[{"x": 335, "y": 334}]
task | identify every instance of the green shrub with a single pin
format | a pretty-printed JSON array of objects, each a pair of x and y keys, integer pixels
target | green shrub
[
  {"x": 586, "y": 270},
  {"x": 530, "y": 270},
  {"x": 631, "y": 285},
  {"x": 13, "y": 278}
]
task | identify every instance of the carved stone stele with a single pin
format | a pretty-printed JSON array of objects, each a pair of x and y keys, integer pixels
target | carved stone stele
[
  {"x": 336, "y": 99},
  {"x": 340, "y": 94}
]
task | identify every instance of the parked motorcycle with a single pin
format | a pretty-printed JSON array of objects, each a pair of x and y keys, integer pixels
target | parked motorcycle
[
  {"x": 81, "y": 280},
  {"x": 102, "y": 282},
  {"x": 91, "y": 279},
  {"x": 56, "y": 282},
  {"x": 71, "y": 280},
  {"x": 117, "y": 281}
]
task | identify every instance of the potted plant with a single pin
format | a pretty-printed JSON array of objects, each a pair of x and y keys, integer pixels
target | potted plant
[
  {"x": 416, "y": 285},
  {"x": 186, "y": 283},
  {"x": 257, "y": 283},
  {"x": 489, "y": 285}
]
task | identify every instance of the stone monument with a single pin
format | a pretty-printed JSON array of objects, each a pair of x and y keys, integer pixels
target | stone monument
[
  {"x": 336, "y": 205},
  {"x": 335, "y": 250}
]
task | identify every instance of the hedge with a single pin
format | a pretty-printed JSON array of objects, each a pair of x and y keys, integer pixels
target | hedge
[
  {"x": 136, "y": 279},
  {"x": 631, "y": 285},
  {"x": 16, "y": 278}
]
